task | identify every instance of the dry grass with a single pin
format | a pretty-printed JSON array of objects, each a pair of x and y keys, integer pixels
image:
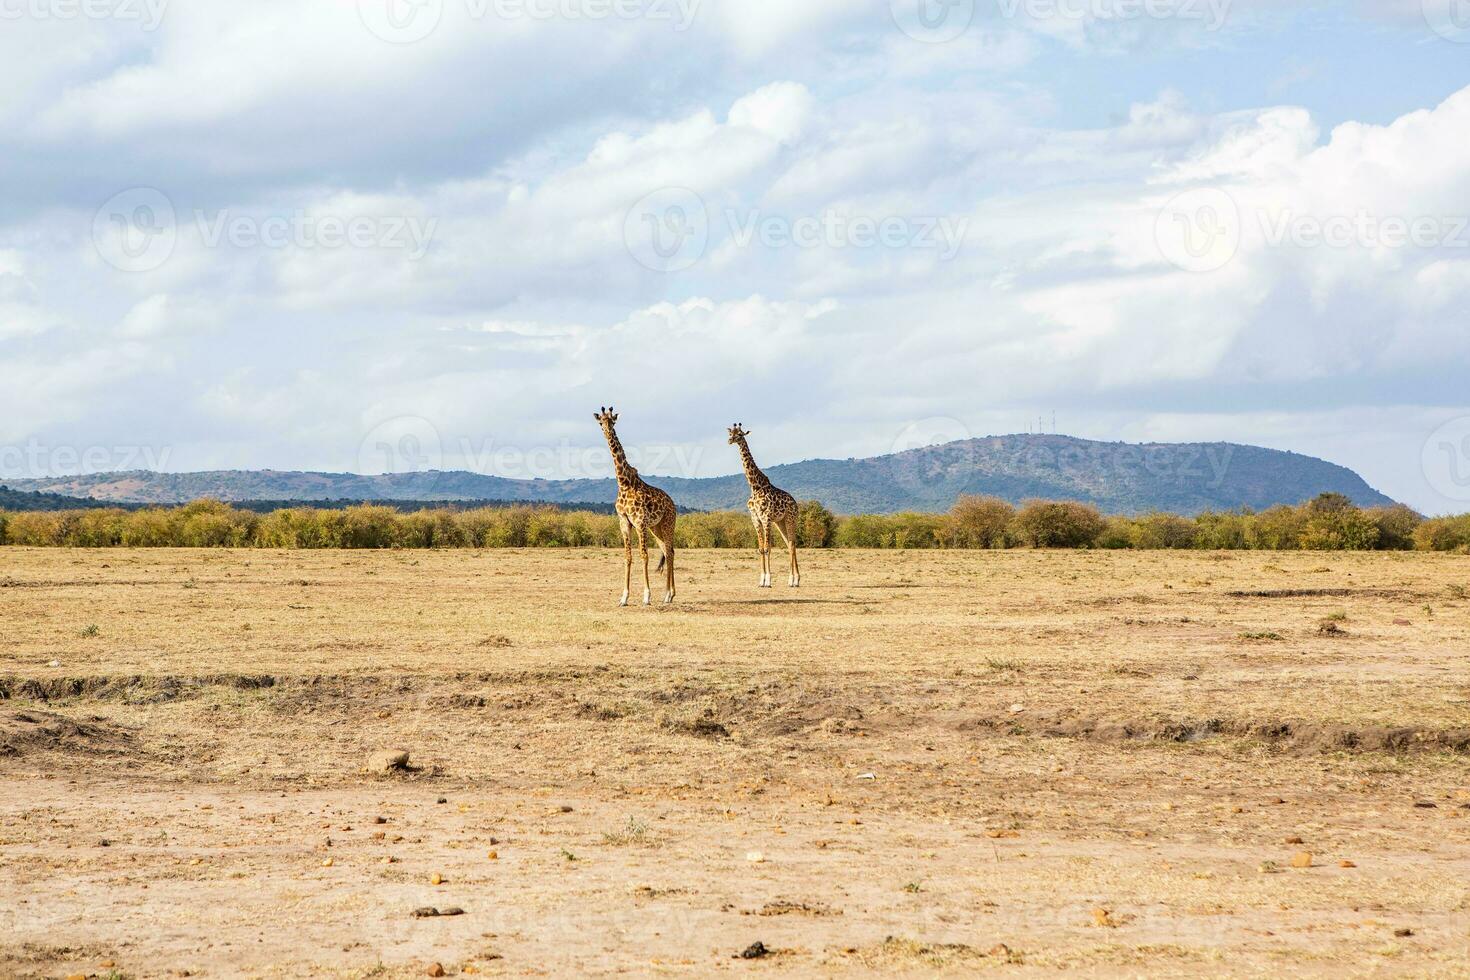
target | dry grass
[{"x": 1028, "y": 736}]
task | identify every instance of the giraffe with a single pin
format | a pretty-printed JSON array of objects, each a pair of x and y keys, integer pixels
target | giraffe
[
  {"x": 768, "y": 506},
  {"x": 642, "y": 508}
]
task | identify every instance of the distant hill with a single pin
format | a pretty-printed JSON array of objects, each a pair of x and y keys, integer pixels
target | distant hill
[
  {"x": 265, "y": 506},
  {"x": 18, "y": 500},
  {"x": 24, "y": 500},
  {"x": 1118, "y": 477}
]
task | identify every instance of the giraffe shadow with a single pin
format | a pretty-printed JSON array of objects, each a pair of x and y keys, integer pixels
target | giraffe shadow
[{"x": 787, "y": 602}]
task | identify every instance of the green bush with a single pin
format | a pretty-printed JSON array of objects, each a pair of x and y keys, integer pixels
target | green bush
[
  {"x": 151, "y": 528},
  {"x": 721, "y": 529},
  {"x": 1335, "y": 523},
  {"x": 1330, "y": 522},
  {"x": 1278, "y": 529},
  {"x": 545, "y": 529},
  {"x": 585, "y": 530},
  {"x": 1058, "y": 524},
  {"x": 211, "y": 524},
  {"x": 1396, "y": 526},
  {"x": 369, "y": 526},
  {"x": 1444, "y": 534},
  {"x": 101, "y": 528},
  {"x": 908, "y": 530},
  {"x": 914, "y": 530},
  {"x": 864, "y": 531},
  {"x": 980, "y": 522},
  {"x": 1165, "y": 531},
  {"x": 1224, "y": 531},
  {"x": 476, "y": 526},
  {"x": 1118, "y": 534},
  {"x": 35, "y": 530},
  {"x": 816, "y": 526}
]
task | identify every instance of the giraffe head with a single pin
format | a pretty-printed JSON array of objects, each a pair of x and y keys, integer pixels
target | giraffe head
[
  {"x": 607, "y": 418},
  {"x": 738, "y": 434}
]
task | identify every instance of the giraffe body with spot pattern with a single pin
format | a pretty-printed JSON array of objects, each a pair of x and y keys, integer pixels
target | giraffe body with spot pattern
[
  {"x": 769, "y": 507},
  {"x": 641, "y": 509}
]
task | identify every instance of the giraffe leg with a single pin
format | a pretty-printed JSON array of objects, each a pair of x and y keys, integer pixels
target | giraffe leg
[
  {"x": 627, "y": 557},
  {"x": 760, "y": 549},
  {"x": 643, "y": 547},
  {"x": 666, "y": 543},
  {"x": 787, "y": 528},
  {"x": 795, "y": 565},
  {"x": 765, "y": 554},
  {"x": 755, "y": 523}
]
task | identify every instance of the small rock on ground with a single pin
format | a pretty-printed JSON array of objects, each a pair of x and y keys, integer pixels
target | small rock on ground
[
  {"x": 388, "y": 760},
  {"x": 754, "y": 951}
]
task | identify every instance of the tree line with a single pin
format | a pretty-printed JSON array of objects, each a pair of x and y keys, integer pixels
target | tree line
[{"x": 1330, "y": 522}]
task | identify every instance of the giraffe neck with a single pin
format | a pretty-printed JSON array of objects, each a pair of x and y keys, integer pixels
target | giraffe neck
[
  {"x": 752, "y": 472},
  {"x": 626, "y": 474}
]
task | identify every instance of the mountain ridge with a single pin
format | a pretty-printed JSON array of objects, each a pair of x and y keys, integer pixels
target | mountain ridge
[{"x": 1118, "y": 477}]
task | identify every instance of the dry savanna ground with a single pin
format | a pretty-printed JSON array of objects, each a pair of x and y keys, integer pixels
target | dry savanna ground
[{"x": 1017, "y": 763}]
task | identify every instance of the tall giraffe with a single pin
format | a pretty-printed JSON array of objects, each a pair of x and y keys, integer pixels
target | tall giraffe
[
  {"x": 768, "y": 506},
  {"x": 643, "y": 508}
]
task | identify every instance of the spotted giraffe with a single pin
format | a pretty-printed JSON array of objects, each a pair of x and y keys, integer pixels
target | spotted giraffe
[
  {"x": 768, "y": 506},
  {"x": 642, "y": 508}
]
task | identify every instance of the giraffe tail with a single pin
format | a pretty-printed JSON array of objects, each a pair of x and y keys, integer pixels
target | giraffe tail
[{"x": 663, "y": 560}]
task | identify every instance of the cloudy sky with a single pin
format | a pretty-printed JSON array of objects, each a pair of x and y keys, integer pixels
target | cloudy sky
[{"x": 391, "y": 233}]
